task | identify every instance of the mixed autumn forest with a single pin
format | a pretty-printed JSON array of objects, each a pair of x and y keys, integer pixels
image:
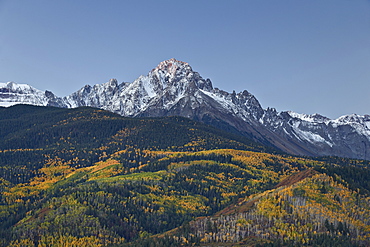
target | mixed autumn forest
[{"x": 88, "y": 177}]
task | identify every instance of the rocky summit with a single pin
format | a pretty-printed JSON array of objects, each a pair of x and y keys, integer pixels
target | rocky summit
[{"x": 174, "y": 89}]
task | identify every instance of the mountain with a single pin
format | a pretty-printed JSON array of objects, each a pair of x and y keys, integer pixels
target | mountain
[
  {"x": 12, "y": 93},
  {"x": 174, "y": 89},
  {"x": 90, "y": 177}
]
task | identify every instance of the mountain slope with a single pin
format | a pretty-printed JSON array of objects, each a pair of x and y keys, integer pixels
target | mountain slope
[
  {"x": 174, "y": 89},
  {"x": 311, "y": 209},
  {"x": 89, "y": 177},
  {"x": 30, "y": 134}
]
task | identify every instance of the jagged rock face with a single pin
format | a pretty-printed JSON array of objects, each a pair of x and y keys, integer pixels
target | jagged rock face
[
  {"x": 173, "y": 88},
  {"x": 347, "y": 136},
  {"x": 12, "y": 93}
]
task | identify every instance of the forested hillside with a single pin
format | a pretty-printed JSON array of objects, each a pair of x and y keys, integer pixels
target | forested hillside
[{"x": 87, "y": 177}]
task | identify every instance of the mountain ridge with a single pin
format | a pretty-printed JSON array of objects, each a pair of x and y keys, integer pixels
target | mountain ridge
[{"x": 174, "y": 89}]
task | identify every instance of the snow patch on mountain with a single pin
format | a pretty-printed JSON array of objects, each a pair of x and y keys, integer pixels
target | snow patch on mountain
[
  {"x": 361, "y": 124},
  {"x": 311, "y": 137},
  {"x": 12, "y": 93},
  {"x": 314, "y": 118}
]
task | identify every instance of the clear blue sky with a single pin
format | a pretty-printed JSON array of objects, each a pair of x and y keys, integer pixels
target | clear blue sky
[{"x": 309, "y": 56}]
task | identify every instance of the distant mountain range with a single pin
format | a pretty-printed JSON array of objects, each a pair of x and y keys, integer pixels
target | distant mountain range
[{"x": 174, "y": 89}]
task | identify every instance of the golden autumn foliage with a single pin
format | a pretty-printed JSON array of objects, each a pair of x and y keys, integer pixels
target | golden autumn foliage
[
  {"x": 297, "y": 198},
  {"x": 296, "y": 212}
]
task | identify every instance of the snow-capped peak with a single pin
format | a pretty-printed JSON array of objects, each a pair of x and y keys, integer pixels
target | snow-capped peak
[
  {"x": 172, "y": 67},
  {"x": 173, "y": 72},
  {"x": 314, "y": 118},
  {"x": 18, "y": 87},
  {"x": 169, "y": 69},
  {"x": 12, "y": 93},
  {"x": 352, "y": 118}
]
